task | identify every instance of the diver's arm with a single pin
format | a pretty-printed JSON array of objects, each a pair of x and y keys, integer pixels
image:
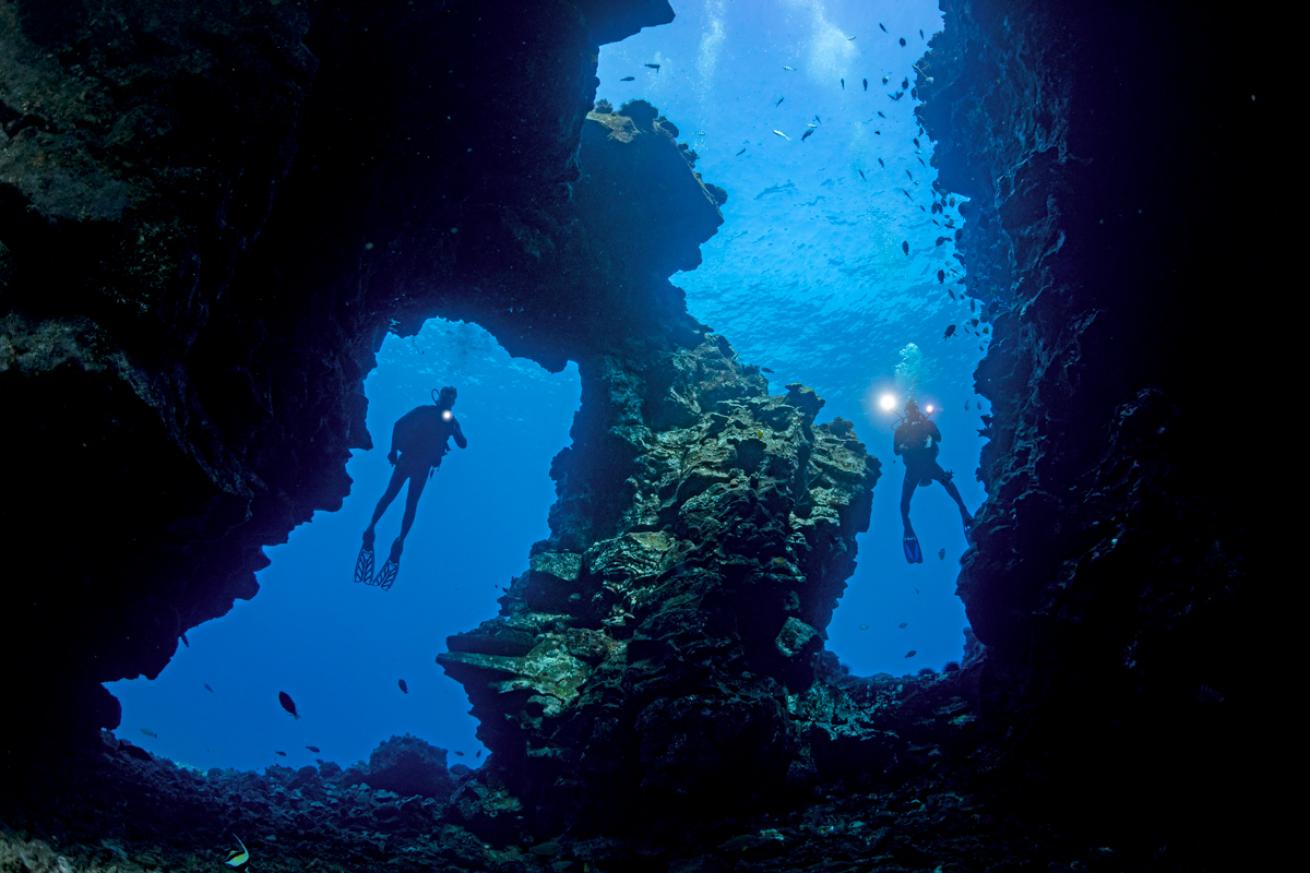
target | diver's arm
[
  {"x": 460, "y": 439},
  {"x": 392, "y": 455},
  {"x": 936, "y": 434}
]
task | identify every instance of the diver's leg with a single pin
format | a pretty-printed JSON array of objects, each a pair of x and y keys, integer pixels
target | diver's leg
[
  {"x": 907, "y": 491},
  {"x": 943, "y": 477},
  {"x": 910, "y": 542},
  {"x": 417, "y": 480},
  {"x": 393, "y": 488}
]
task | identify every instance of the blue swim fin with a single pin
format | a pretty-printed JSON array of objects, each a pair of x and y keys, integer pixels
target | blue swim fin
[
  {"x": 364, "y": 565},
  {"x": 913, "y": 554},
  {"x": 386, "y": 577}
]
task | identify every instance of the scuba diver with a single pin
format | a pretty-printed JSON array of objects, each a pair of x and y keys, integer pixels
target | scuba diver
[
  {"x": 916, "y": 440},
  {"x": 418, "y": 442}
]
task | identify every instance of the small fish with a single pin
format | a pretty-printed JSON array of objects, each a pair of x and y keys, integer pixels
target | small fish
[
  {"x": 628, "y": 79},
  {"x": 314, "y": 749},
  {"x": 818, "y": 120},
  {"x": 920, "y": 160},
  {"x": 886, "y": 78},
  {"x": 781, "y": 134},
  {"x": 881, "y": 164},
  {"x": 912, "y": 652},
  {"x": 902, "y": 42},
  {"x": 943, "y": 239},
  {"x": 460, "y": 754},
  {"x": 184, "y": 641},
  {"x": 788, "y": 68},
  {"x": 806, "y": 135},
  {"x": 897, "y": 96},
  {"x": 916, "y": 143},
  {"x": 941, "y": 554},
  {"x": 882, "y": 27},
  {"x": 862, "y": 176},
  {"x": 851, "y": 38},
  {"x": 779, "y": 103},
  {"x": 966, "y": 406},
  {"x": 950, "y": 329},
  {"x": 881, "y": 115},
  {"x": 479, "y": 754},
  {"x": 280, "y": 754},
  {"x": 905, "y": 84},
  {"x": 843, "y": 84},
  {"x": 209, "y": 688},
  {"x": 907, "y": 194},
  {"x": 974, "y": 322},
  {"x": 288, "y": 704},
  {"x": 941, "y": 276},
  {"x": 905, "y": 246},
  {"x": 865, "y": 82},
  {"x": 404, "y": 686},
  {"x": 950, "y": 292},
  {"x": 740, "y": 153},
  {"x": 150, "y": 733},
  {"x": 909, "y": 175},
  {"x": 655, "y": 67},
  {"x": 921, "y": 34},
  {"x": 766, "y": 369},
  {"x": 903, "y": 625},
  {"x": 238, "y": 857}
]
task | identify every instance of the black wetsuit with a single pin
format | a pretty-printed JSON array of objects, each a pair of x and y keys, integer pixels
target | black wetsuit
[
  {"x": 419, "y": 440},
  {"x": 422, "y": 437},
  {"x": 916, "y": 442}
]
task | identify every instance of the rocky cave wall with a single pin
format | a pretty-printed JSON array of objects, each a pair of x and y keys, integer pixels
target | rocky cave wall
[
  {"x": 1105, "y": 150},
  {"x": 209, "y": 217}
]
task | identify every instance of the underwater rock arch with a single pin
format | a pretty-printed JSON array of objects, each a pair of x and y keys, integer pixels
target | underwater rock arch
[{"x": 255, "y": 201}]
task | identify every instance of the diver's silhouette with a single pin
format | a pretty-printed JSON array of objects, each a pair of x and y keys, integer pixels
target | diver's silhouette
[
  {"x": 916, "y": 440},
  {"x": 418, "y": 442}
]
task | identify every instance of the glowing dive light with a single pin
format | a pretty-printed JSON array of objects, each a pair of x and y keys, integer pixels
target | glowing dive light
[
  {"x": 928, "y": 409},
  {"x": 445, "y": 415},
  {"x": 887, "y": 402}
]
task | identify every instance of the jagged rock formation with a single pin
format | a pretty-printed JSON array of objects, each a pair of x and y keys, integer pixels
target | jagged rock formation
[
  {"x": 1109, "y": 575},
  {"x": 625, "y": 668},
  {"x": 209, "y": 216}
]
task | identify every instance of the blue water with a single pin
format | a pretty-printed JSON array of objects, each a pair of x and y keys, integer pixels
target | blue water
[
  {"x": 807, "y": 275},
  {"x": 339, "y": 648},
  {"x": 808, "y": 279}
]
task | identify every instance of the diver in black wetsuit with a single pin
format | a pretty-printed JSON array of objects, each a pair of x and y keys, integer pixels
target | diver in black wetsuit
[
  {"x": 418, "y": 442},
  {"x": 916, "y": 440}
]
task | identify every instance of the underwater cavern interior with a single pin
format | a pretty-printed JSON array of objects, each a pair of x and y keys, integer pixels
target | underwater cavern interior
[{"x": 685, "y": 261}]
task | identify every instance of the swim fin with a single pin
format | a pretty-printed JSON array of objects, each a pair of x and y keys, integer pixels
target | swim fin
[
  {"x": 364, "y": 565},
  {"x": 913, "y": 554},
  {"x": 386, "y": 577}
]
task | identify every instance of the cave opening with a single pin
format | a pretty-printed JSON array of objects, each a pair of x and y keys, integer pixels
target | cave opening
[
  {"x": 828, "y": 174},
  {"x": 340, "y": 649}
]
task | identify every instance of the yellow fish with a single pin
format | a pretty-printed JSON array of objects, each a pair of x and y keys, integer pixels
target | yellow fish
[{"x": 238, "y": 857}]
